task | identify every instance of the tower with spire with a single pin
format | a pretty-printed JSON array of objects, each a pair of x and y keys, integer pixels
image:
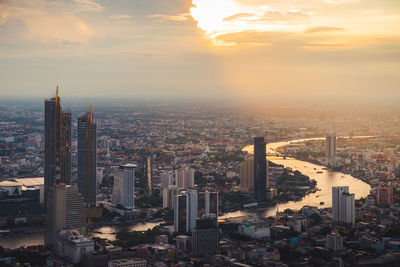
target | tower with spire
[{"x": 87, "y": 147}]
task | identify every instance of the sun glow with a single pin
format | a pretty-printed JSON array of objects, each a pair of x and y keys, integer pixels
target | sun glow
[{"x": 221, "y": 17}]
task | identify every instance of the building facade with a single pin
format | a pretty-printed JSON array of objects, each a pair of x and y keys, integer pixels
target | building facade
[
  {"x": 66, "y": 212},
  {"x": 260, "y": 169},
  {"x": 205, "y": 236},
  {"x": 247, "y": 175},
  {"x": 87, "y": 147},
  {"x": 343, "y": 205},
  {"x": 330, "y": 153},
  {"x": 57, "y": 144},
  {"x": 384, "y": 195},
  {"x": 124, "y": 186},
  {"x": 169, "y": 196},
  {"x": 184, "y": 178}
]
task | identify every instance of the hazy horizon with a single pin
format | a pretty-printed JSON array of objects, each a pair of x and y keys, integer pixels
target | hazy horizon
[{"x": 266, "y": 50}]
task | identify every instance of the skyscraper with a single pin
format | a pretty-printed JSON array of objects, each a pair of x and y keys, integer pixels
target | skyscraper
[
  {"x": 149, "y": 180},
  {"x": 169, "y": 196},
  {"x": 57, "y": 148},
  {"x": 247, "y": 175},
  {"x": 384, "y": 195},
  {"x": 87, "y": 145},
  {"x": 124, "y": 186},
  {"x": 260, "y": 169},
  {"x": 167, "y": 179},
  {"x": 184, "y": 178},
  {"x": 330, "y": 152},
  {"x": 343, "y": 205},
  {"x": 66, "y": 211},
  {"x": 186, "y": 211},
  {"x": 208, "y": 203},
  {"x": 205, "y": 236}
]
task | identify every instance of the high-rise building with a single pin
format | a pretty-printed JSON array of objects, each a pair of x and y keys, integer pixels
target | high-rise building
[
  {"x": 330, "y": 152},
  {"x": 87, "y": 147},
  {"x": 149, "y": 173},
  {"x": 66, "y": 210},
  {"x": 169, "y": 196},
  {"x": 205, "y": 236},
  {"x": 57, "y": 144},
  {"x": 343, "y": 205},
  {"x": 124, "y": 186},
  {"x": 186, "y": 211},
  {"x": 208, "y": 203},
  {"x": 260, "y": 168},
  {"x": 184, "y": 178},
  {"x": 247, "y": 175},
  {"x": 167, "y": 179},
  {"x": 334, "y": 241},
  {"x": 384, "y": 195}
]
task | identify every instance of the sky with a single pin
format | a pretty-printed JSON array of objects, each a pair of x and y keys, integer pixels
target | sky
[{"x": 318, "y": 50}]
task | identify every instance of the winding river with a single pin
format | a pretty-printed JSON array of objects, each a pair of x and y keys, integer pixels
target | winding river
[{"x": 325, "y": 181}]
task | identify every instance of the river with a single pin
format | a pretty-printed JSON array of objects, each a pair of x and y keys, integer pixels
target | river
[{"x": 325, "y": 181}]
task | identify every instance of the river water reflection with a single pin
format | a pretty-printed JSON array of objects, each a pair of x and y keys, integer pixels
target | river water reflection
[{"x": 325, "y": 181}]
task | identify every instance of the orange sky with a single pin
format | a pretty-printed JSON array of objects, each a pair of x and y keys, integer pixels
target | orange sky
[{"x": 322, "y": 49}]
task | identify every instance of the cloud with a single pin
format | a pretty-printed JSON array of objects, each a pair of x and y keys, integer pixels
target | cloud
[
  {"x": 320, "y": 29},
  {"x": 120, "y": 16},
  {"x": 163, "y": 17},
  {"x": 87, "y": 5}
]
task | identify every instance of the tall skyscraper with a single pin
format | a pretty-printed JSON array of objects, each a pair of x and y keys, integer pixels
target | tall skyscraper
[
  {"x": 87, "y": 147},
  {"x": 149, "y": 180},
  {"x": 184, "y": 178},
  {"x": 247, "y": 175},
  {"x": 330, "y": 152},
  {"x": 167, "y": 179},
  {"x": 124, "y": 186},
  {"x": 169, "y": 196},
  {"x": 186, "y": 211},
  {"x": 208, "y": 203},
  {"x": 260, "y": 169},
  {"x": 343, "y": 205},
  {"x": 205, "y": 236},
  {"x": 66, "y": 211},
  {"x": 57, "y": 148}
]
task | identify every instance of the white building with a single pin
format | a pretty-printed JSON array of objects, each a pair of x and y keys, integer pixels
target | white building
[
  {"x": 167, "y": 179},
  {"x": 132, "y": 262},
  {"x": 343, "y": 205},
  {"x": 169, "y": 196},
  {"x": 334, "y": 241},
  {"x": 124, "y": 186},
  {"x": 184, "y": 178},
  {"x": 72, "y": 245},
  {"x": 185, "y": 211},
  {"x": 253, "y": 231}
]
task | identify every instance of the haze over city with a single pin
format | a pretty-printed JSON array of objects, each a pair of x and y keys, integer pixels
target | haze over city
[{"x": 320, "y": 50}]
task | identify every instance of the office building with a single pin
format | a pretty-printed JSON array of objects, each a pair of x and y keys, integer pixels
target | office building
[
  {"x": 73, "y": 246},
  {"x": 205, "y": 236},
  {"x": 149, "y": 173},
  {"x": 124, "y": 186},
  {"x": 87, "y": 147},
  {"x": 334, "y": 241},
  {"x": 186, "y": 211},
  {"x": 384, "y": 195},
  {"x": 167, "y": 179},
  {"x": 260, "y": 169},
  {"x": 343, "y": 205},
  {"x": 247, "y": 175},
  {"x": 208, "y": 203},
  {"x": 184, "y": 178},
  {"x": 57, "y": 144},
  {"x": 18, "y": 203},
  {"x": 169, "y": 196},
  {"x": 66, "y": 212},
  {"x": 330, "y": 153}
]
